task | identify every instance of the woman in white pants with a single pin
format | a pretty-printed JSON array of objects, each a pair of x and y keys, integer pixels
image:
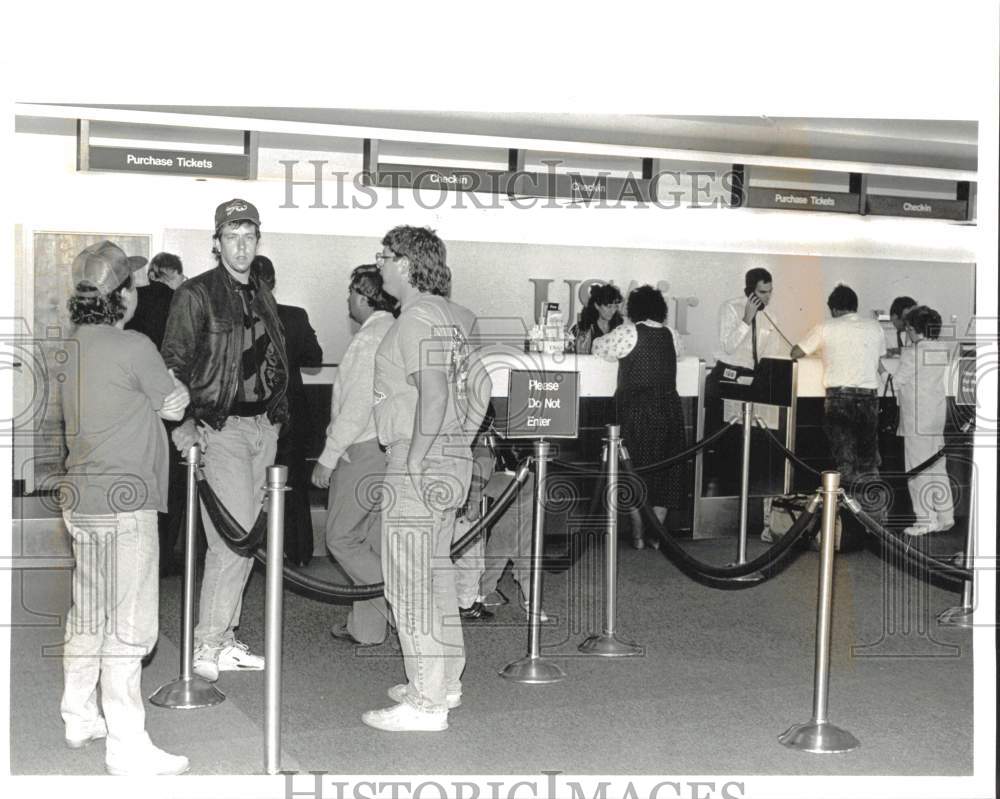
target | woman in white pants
[{"x": 920, "y": 386}]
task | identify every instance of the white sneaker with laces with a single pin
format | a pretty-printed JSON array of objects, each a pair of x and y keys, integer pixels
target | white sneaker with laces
[
  {"x": 78, "y": 736},
  {"x": 206, "y": 663},
  {"x": 238, "y": 657},
  {"x": 398, "y": 694},
  {"x": 404, "y": 717},
  {"x": 918, "y": 529},
  {"x": 144, "y": 761}
]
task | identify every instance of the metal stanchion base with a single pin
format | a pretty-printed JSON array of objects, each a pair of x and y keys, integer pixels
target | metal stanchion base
[
  {"x": 956, "y": 617},
  {"x": 819, "y": 737},
  {"x": 532, "y": 671},
  {"x": 610, "y": 646},
  {"x": 187, "y": 694}
]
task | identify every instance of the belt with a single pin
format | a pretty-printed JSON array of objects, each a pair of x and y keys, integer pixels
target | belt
[
  {"x": 863, "y": 392},
  {"x": 248, "y": 409}
]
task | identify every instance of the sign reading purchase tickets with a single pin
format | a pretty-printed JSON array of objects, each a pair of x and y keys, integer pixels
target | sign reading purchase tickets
[
  {"x": 543, "y": 404},
  {"x": 169, "y": 162}
]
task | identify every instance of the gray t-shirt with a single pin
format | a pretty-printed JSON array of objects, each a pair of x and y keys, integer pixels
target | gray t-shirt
[{"x": 118, "y": 448}]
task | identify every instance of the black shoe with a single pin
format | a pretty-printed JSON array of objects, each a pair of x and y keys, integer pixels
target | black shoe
[
  {"x": 341, "y": 633},
  {"x": 477, "y": 612}
]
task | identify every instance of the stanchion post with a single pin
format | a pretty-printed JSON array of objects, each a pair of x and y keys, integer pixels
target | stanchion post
[
  {"x": 277, "y": 476},
  {"x": 741, "y": 553},
  {"x": 533, "y": 669},
  {"x": 608, "y": 643},
  {"x": 818, "y": 735},
  {"x": 961, "y": 615},
  {"x": 188, "y": 691}
]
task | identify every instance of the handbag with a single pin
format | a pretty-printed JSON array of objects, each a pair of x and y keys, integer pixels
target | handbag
[{"x": 888, "y": 409}]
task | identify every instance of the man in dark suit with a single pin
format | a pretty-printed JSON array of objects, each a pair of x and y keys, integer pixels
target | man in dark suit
[
  {"x": 166, "y": 273},
  {"x": 303, "y": 350}
]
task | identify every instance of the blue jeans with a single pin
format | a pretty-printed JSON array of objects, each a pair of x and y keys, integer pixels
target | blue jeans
[
  {"x": 235, "y": 461},
  {"x": 417, "y": 530},
  {"x": 112, "y": 624}
]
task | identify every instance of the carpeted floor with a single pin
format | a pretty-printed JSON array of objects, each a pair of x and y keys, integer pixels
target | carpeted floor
[{"x": 722, "y": 674}]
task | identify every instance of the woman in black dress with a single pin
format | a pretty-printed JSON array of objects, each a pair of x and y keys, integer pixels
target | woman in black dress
[{"x": 646, "y": 402}]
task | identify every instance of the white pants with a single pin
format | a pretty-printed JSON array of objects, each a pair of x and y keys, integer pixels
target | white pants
[
  {"x": 112, "y": 624},
  {"x": 930, "y": 491}
]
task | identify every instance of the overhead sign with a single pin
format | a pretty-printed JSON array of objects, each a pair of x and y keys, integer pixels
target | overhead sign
[
  {"x": 804, "y": 200},
  {"x": 923, "y": 207},
  {"x": 415, "y": 176},
  {"x": 593, "y": 188},
  {"x": 168, "y": 162},
  {"x": 543, "y": 404}
]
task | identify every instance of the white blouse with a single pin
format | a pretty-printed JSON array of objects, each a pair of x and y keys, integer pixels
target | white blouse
[{"x": 622, "y": 340}]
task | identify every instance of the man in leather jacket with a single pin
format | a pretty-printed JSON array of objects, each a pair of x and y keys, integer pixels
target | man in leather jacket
[{"x": 225, "y": 343}]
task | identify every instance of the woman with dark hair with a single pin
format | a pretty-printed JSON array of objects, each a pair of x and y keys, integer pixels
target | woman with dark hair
[
  {"x": 647, "y": 405},
  {"x": 116, "y": 481},
  {"x": 920, "y": 387},
  {"x": 599, "y": 317}
]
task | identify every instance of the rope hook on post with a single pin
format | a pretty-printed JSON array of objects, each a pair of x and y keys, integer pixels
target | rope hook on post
[
  {"x": 188, "y": 691},
  {"x": 818, "y": 735}
]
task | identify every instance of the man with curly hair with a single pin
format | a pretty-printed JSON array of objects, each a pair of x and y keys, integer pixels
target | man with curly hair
[{"x": 430, "y": 399}]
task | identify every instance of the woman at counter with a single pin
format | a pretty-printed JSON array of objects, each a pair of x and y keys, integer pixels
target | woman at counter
[
  {"x": 920, "y": 384},
  {"x": 598, "y": 318},
  {"x": 646, "y": 402}
]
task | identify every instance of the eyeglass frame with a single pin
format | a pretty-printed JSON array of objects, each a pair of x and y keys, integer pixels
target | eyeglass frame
[{"x": 380, "y": 259}]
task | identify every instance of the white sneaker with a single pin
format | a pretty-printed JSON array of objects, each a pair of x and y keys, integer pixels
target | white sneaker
[
  {"x": 404, "y": 717},
  {"x": 145, "y": 761},
  {"x": 206, "y": 663},
  {"x": 398, "y": 694},
  {"x": 918, "y": 529},
  {"x": 542, "y": 615},
  {"x": 78, "y": 736},
  {"x": 238, "y": 657}
]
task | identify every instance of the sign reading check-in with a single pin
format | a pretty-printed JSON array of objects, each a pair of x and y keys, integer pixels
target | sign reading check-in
[{"x": 543, "y": 404}]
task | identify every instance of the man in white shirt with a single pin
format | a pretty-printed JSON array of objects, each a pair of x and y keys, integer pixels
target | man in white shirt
[
  {"x": 352, "y": 458},
  {"x": 747, "y": 333},
  {"x": 852, "y": 349}
]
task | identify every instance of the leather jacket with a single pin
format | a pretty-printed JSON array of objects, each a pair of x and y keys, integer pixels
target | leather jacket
[{"x": 203, "y": 344}]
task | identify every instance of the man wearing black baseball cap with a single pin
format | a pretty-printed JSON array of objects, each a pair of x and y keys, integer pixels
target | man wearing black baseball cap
[{"x": 224, "y": 341}]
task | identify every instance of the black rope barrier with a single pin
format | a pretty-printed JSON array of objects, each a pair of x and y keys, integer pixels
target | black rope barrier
[
  {"x": 692, "y": 450},
  {"x": 904, "y": 548},
  {"x": 787, "y": 452},
  {"x": 230, "y": 530},
  {"x": 765, "y": 565},
  {"x": 327, "y": 591}
]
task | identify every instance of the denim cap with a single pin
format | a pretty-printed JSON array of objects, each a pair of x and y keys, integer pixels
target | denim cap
[
  {"x": 103, "y": 267},
  {"x": 236, "y": 211}
]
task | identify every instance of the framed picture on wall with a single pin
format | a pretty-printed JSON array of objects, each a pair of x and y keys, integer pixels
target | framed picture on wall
[{"x": 39, "y": 430}]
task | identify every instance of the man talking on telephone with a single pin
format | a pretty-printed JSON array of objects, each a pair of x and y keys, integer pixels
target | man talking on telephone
[{"x": 747, "y": 333}]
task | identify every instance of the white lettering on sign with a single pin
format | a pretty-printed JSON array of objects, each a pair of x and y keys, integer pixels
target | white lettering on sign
[
  {"x": 194, "y": 163},
  {"x": 552, "y": 403},
  {"x": 590, "y": 187},
  {"x": 790, "y": 199},
  {"x": 452, "y": 179},
  {"x": 538, "y": 385},
  {"x": 923, "y": 208},
  {"x": 148, "y": 160},
  {"x": 535, "y": 421},
  {"x": 824, "y": 201}
]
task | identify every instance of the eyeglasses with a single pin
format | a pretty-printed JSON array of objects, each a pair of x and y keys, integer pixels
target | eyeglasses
[{"x": 380, "y": 259}]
